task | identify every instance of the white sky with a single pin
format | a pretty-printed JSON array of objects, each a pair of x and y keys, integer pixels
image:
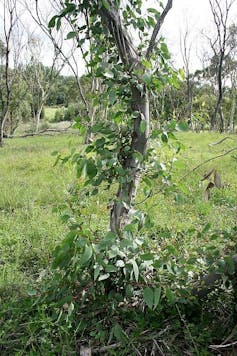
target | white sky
[{"x": 192, "y": 14}]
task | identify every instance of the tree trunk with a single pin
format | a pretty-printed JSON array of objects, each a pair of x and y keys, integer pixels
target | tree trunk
[
  {"x": 231, "y": 124},
  {"x": 222, "y": 122},
  {"x": 1, "y": 135},
  {"x": 37, "y": 117},
  {"x": 122, "y": 208},
  {"x": 190, "y": 98},
  {"x": 2, "y": 126},
  {"x": 218, "y": 110}
]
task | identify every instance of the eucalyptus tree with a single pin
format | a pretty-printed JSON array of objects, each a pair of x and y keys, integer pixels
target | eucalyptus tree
[
  {"x": 7, "y": 54},
  {"x": 40, "y": 78},
  {"x": 134, "y": 67},
  {"x": 232, "y": 71},
  {"x": 186, "y": 48},
  {"x": 219, "y": 45}
]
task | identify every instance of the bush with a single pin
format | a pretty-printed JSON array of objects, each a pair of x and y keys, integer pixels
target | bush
[
  {"x": 71, "y": 113},
  {"x": 59, "y": 115}
]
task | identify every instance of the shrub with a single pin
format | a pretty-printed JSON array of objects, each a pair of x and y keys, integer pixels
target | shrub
[{"x": 59, "y": 115}]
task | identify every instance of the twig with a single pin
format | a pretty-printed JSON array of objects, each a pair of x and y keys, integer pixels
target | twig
[
  {"x": 106, "y": 348},
  {"x": 157, "y": 28},
  {"x": 208, "y": 160},
  {"x": 226, "y": 346},
  {"x": 220, "y": 141},
  {"x": 155, "y": 348}
]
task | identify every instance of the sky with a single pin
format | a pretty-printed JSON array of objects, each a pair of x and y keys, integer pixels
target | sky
[
  {"x": 192, "y": 14},
  {"x": 196, "y": 16}
]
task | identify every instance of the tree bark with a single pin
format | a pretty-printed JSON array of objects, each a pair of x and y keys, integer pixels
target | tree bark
[
  {"x": 2, "y": 126},
  {"x": 122, "y": 207},
  {"x": 231, "y": 124},
  {"x": 121, "y": 211},
  {"x": 37, "y": 117}
]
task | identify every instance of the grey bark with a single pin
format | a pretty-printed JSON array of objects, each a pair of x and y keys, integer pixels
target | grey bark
[
  {"x": 122, "y": 206},
  {"x": 220, "y": 17},
  {"x": 231, "y": 125}
]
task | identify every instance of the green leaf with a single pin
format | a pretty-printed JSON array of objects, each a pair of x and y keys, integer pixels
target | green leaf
[
  {"x": 170, "y": 295},
  {"x": 147, "y": 256},
  {"x": 58, "y": 24},
  {"x": 148, "y": 296},
  {"x": 86, "y": 256},
  {"x": 164, "y": 137},
  {"x": 52, "y": 21},
  {"x": 110, "y": 269},
  {"x": 91, "y": 169},
  {"x": 157, "y": 294},
  {"x": 118, "y": 332},
  {"x": 112, "y": 97},
  {"x": 106, "y": 4},
  {"x": 143, "y": 126},
  {"x": 71, "y": 34},
  {"x": 165, "y": 51}
]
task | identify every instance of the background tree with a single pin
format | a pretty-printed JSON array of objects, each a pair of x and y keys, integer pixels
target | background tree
[
  {"x": 7, "y": 75},
  {"x": 40, "y": 79},
  {"x": 220, "y": 12},
  {"x": 186, "y": 48}
]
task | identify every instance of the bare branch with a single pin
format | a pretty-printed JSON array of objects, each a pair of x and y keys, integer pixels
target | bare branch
[
  {"x": 157, "y": 28},
  {"x": 209, "y": 160}
]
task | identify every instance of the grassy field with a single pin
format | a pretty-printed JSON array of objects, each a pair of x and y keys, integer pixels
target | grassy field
[{"x": 31, "y": 187}]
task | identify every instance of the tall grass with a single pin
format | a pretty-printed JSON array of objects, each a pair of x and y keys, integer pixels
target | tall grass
[{"x": 30, "y": 187}]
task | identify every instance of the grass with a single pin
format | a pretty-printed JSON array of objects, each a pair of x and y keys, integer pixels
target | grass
[
  {"x": 31, "y": 187},
  {"x": 187, "y": 207}
]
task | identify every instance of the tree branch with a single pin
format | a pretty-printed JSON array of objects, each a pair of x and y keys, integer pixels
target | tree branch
[
  {"x": 157, "y": 28},
  {"x": 209, "y": 160},
  {"x": 127, "y": 51}
]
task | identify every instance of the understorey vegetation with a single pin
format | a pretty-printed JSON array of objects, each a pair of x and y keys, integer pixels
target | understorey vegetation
[{"x": 144, "y": 258}]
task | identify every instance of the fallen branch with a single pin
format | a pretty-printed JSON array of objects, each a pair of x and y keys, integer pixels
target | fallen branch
[
  {"x": 220, "y": 141},
  {"x": 209, "y": 160},
  {"x": 39, "y": 133}
]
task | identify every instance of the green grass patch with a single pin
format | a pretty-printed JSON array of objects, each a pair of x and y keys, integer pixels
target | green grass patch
[{"x": 31, "y": 187}]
